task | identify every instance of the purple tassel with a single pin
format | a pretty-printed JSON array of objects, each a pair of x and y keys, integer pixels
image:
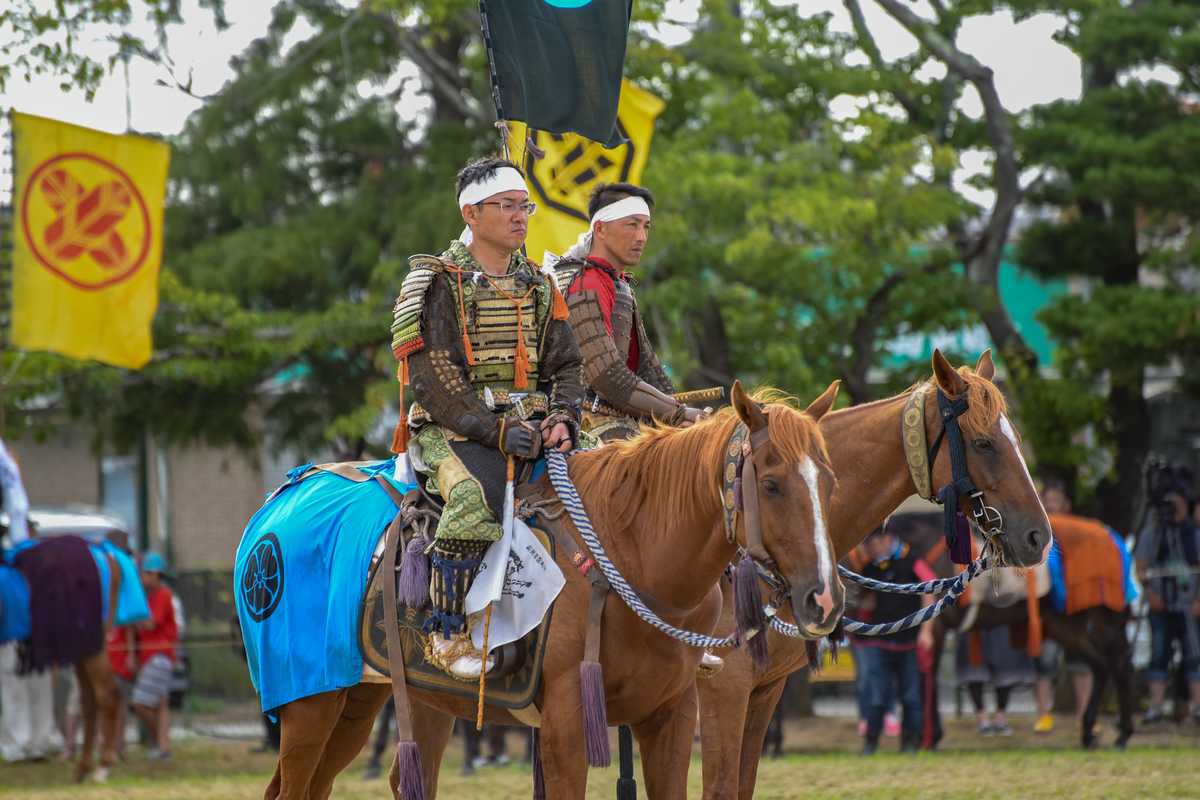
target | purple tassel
[
  {"x": 411, "y": 782},
  {"x": 814, "y": 657},
  {"x": 595, "y": 714},
  {"x": 539, "y": 778},
  {"x": 413, "y": 590},
  {"x": 748, "y": 611}
]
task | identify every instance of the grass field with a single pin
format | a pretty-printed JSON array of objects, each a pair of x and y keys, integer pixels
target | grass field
[{"x": 821, "y": 763}]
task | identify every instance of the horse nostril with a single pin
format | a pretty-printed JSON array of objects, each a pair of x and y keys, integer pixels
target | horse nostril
[
  {"x": 1035, "y": 540},
  {"x": 812, "y": 608}
]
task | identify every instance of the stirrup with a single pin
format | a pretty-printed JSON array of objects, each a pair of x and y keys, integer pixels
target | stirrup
[
  {"x": 457, "y": 656},
  {"x": 709, "y": 665}
]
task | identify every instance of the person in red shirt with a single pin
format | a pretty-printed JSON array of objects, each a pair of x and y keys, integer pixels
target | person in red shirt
[
  {"x": 627, "y": 385},
  {"x": 156, "y": 639}
]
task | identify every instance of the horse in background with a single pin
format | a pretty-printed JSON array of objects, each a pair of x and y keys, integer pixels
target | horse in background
[
  {"x": 1091, "y": 628},
  {"x": 874, "y": 478},
  {"x": 59, "y": 597}
]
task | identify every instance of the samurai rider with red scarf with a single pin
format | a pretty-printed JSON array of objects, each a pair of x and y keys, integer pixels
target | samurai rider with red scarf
[{"x": 627, "y": 385}]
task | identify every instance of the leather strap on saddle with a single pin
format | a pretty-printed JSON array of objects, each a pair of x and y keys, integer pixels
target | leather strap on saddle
[{"x": 391, "y": 620}]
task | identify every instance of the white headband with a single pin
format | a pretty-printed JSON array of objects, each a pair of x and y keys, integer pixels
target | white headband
[
  {"x": 505, "y": 179},
  {"x": 625, "y": 207}
]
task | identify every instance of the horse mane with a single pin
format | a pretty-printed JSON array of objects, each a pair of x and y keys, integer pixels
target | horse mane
[
  {"x": 985, "y": 403},
  {"x": 663, "y": 474}
]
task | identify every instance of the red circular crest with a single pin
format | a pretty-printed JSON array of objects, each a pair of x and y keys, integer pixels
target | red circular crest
[{"x": 78, "y": 213}]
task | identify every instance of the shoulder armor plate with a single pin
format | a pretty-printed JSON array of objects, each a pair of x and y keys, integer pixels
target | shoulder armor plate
[{"x": 406, "y": 314}]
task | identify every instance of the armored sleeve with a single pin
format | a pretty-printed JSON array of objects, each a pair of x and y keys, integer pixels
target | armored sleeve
[
  {"x": 438, "y": 371},
  {"x": 605, "y": 369},
  {"x": 562, "y": 366}
]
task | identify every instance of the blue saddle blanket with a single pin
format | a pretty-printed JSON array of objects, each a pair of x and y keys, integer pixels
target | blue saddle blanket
[
  {"x": 300, "y": 576},
  {"x": 15, "y": 619}
]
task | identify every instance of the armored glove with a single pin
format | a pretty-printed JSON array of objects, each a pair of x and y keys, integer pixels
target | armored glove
[{"x": 520, "y": 439}]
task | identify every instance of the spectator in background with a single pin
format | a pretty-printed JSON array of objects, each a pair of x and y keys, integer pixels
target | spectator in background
[
  {"x": 1046, "y": 666},
  {"x": 156, "y": 639},
  {"x": 1170, "y": 544},
  {"x": 891, "y": 661},
  {"x": 987, "y": 656}
]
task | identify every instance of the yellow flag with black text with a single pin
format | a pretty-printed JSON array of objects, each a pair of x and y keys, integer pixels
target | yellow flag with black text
[
  {"x": 561, "y": 181},
  {"x": 87, "y": 240}
]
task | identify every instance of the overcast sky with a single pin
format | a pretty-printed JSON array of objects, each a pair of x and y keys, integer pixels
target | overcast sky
[{"x": 1030, "y": 67}]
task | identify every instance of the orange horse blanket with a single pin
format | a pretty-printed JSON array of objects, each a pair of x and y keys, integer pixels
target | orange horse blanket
[{"x": 1093, "y": 569}]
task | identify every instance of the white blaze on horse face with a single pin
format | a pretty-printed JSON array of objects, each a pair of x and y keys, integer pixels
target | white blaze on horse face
[
  {"x": 1010, "y": 434},
  {"x": 808, "y": 471}
]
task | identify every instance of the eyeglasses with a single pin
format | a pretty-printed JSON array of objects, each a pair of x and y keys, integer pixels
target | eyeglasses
[{"x": 508, "y": 207}]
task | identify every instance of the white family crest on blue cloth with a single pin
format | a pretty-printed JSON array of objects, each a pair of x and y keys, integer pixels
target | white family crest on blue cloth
[
  {"x": 16, "y": 503},
  {"x": 519, "y": 577}
]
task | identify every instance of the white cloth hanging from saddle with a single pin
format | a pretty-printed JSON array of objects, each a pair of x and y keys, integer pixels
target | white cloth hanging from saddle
[
  {"x": 16, "y": 504},
  {"x": 519, "y": 577}
]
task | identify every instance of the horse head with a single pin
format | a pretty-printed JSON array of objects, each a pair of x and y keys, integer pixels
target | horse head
[
  {"x": 787, "y": 483},
  {"x": 1000, "y": 498}
]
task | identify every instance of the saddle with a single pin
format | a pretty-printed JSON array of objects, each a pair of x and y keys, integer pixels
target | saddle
[
  {"x": 512, "y": 683},
  {"x": 1092, "y": 564}
]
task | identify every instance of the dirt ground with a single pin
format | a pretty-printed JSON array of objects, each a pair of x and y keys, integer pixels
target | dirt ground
[{"x": 820, "y": 761}]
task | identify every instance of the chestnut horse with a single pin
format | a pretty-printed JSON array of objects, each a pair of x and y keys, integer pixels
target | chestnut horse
[
  {"x": 873, "y": 479},
  {"x": 98, "y": 695},
  {"x": 656, "y": 503}
]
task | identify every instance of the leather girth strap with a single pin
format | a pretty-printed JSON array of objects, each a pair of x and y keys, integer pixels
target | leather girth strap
[
  {"x": 587, "y": 567},
  {"x": 392, "y": 626}
]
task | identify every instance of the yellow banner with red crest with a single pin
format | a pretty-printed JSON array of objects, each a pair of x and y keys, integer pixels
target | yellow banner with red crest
[{"x": 87, "y": 240}]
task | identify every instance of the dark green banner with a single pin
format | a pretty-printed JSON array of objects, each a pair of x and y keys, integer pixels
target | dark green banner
[{"x": 558, "y": 63}]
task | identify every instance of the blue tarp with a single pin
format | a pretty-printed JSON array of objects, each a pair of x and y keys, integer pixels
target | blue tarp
[{"x": 300, "y": 576}]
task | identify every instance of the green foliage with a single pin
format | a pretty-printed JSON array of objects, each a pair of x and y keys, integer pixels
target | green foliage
[
  {"x": 39, "y": 38},
  {"x": 803, "y": 239}
]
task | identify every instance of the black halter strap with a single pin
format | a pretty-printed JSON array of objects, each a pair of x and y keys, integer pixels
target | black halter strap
[{"x": 958, "y": 541}]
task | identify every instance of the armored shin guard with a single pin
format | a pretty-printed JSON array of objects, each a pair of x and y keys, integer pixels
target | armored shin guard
[{"x": 454, "y": 564}]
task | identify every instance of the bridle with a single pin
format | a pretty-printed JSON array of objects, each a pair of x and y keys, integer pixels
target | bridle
[
  {"x": 740, "y": 471},
  {"x": 987, "y": 519}
]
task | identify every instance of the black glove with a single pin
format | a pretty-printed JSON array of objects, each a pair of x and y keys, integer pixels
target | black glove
[{"x": 521, "y": 440}]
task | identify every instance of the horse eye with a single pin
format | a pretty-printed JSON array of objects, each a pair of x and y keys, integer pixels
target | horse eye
[
  {"x": 983, "y": 444},
  {"x": 770, "y": 487}
]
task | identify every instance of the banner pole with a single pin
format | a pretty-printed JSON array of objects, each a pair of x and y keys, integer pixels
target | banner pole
[{"x": 501, "y": 122}]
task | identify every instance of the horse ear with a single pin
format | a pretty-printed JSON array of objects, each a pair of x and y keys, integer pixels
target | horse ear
[
  {"x": 946, "y": 376},
  {"x": 984, "y": 366},
  {"x": 747, "y": 410},
  {"x": 818, "y": 408}
]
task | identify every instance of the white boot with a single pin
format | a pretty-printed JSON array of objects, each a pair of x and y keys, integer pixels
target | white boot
[{"x": 457, "y": 656}]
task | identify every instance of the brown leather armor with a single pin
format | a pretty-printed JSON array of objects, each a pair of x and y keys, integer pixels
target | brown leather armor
[{"x": 643, "y": 394}]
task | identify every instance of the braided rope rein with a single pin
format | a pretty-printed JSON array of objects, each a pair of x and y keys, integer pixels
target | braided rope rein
[{"x": 953, "y": 587}]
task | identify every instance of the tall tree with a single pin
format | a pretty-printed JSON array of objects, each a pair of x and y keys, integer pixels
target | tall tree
[{"x": 790, "y": 246}]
